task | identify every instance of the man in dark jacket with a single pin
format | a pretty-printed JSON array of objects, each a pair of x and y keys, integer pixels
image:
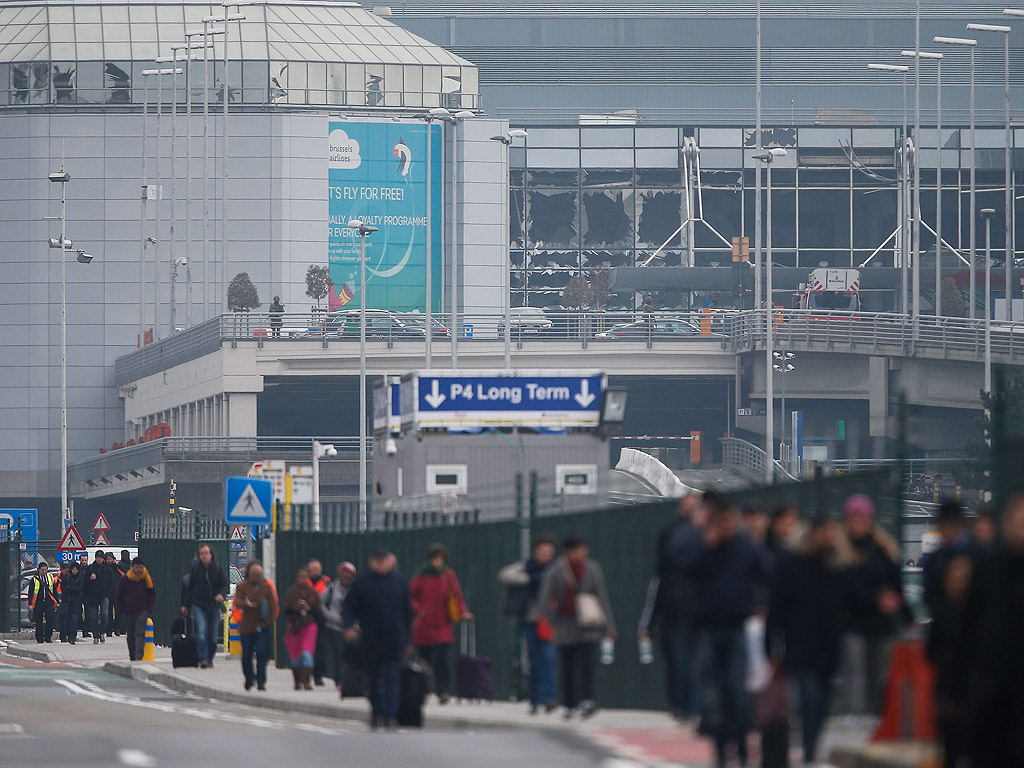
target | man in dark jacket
[
  {"x": 203, "y": 595},
  {"x": 805, "y": 616},
  {"x": 72, "y": 586},
  {"x": 379, "y": 603},
  {"x": 98, "y": 580},
  {"x": 731, "y": 584},
  {"x": 135, "y": 601},
  {"x": 113, "y": 621}
]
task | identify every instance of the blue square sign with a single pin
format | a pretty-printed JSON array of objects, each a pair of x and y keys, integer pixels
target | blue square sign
[{"x": 248, "y": 500}]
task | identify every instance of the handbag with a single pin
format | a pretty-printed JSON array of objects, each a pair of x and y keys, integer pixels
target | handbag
[
  {"x": 452, "y": 604},
  {"x": 589, "y": 611},
  {"x": 545, "y": 632},
  {"x": 771, "y": 704}
]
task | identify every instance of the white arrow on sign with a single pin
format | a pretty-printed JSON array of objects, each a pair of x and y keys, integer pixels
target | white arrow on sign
[
  {"x": 585, "y": 397},
  {"x": 435, "y": 398}
]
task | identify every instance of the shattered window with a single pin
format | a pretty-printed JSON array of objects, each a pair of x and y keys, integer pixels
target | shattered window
[
  {"x": 607, "y": 219},
  {"x": 658, "y": 218},
  {"x": 118, "y": 82},
  {"x": 30, "y": 83},
  {"x": 721, "y": 211},
  {"x": 64, "y": 83},
  {"x": 608, "y": 178},
  {"x": 553, "y": 218}
]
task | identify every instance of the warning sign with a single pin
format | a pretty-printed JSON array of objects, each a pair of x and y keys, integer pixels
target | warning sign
[
  {"x": 101, "y": 540},
  {"x": 238, "y": 533},
  {"x": 101, "y": 523},
  {"x": 71, "y": 540}
]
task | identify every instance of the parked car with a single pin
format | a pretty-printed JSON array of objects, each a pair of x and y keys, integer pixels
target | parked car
[
  {"x": 380, "y": 323},
  {"x": 661, "y": 327},
  {"x": 526, "y": 320},
  {"x": 419, "y": 321}
]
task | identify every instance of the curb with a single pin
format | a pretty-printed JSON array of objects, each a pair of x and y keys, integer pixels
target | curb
[
  {"x": 356, "y": 713},
  {"x": 29, "y": 653}
]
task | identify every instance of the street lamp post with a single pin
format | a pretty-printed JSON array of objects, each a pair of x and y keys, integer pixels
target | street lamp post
[
  {"x": 320, "y": 450},
  {"x": 363, "y": 230},
  {"x": 456, "y": 120},
  {"x": 506, "y": 139},
  {"x": 784, "y": 366},
  {"x": 937, "y": 58},
  {"x": 62, "y": 177},
  {"x": 987, "y": 214},
  {"x": 769, "y": 395},
  {"x": 902, "y": 69},
  {"x": 142, "y": 214},
  {"x": 972, "y": 44},
  {"x": 1008, "y": 142}
]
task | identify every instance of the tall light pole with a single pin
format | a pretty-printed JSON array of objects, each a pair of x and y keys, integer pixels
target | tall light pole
[
  {"x": 363, "y": 230},
  {"x": 757, "y": 151},
  {"x": 174, "y": 71},
  {"x": 1008, "y": 158},
  {"x": 158, "y": 74},
  {"x": 769, "y": 394},
  {"x": 456, "y": 120},
  {"x": 987, "y": 214},
  {"x": 784, "y": 366},
  {"x": 902, "y": 69},
  {"x": 972, "y": 44},
  {"x": 506, "y": 139},
  {"x": 937, "y": 58},
  {"x": 62, "y": 177},
  {"x": 143, "y": 198}
]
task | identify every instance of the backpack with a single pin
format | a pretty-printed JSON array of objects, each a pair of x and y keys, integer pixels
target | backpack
[{"x": 517, "y": 601}]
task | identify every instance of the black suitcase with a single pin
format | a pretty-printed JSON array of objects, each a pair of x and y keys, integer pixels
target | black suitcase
[
  {"x": 413, "y": 691},
  {"x": 775, "y": 745},
  {"x": 353, "y": 681},
  {"x": 474, "y": 675},
  {"x": 183, "y": 644}
]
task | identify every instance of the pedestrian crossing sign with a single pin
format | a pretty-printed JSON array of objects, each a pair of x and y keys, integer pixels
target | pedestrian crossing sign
[
  {"x": 71, "y": 539},
  {"x": 248, "y": 500},
  {"x": 237, "y": 534}
]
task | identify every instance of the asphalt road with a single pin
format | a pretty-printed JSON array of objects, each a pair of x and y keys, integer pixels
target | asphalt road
[{"x": 63, "y": 715}]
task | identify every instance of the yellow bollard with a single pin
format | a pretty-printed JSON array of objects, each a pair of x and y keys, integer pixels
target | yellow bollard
[
  {"x": 234, "y": 639},
  {"x": 149, "y": 650}
]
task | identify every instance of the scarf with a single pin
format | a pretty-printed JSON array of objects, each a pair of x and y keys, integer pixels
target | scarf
[
  {"x": 429, "y": 570},
  {"x": 145, "y": 575}
]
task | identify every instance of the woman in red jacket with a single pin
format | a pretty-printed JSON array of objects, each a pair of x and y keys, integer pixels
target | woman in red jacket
[{"x": 437, "y": 602}]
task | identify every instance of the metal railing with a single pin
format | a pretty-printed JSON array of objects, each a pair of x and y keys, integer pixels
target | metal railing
[
  {"x": 750, "y": 459},
  {"x": 728, "y": 330}
]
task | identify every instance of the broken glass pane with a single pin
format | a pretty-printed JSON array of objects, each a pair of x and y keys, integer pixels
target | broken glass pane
[
  {"x": 659, "y": 217},
  {"x": 722, "y": 212},
  {"x": 608, "y": 178},
  {"x": 118, "y": 82},
  {"x": 658, "y": 177},
  {"x": 64, "y": 83},
  {"x": 552, "y": 218},
  {"x": 607, "y": 219},
  {"x": 592, "y": 259},
  {"x": 566, "y": 178}
]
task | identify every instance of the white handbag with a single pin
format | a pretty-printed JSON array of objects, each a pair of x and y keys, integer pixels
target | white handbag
[{"x": 589, "y": 611}]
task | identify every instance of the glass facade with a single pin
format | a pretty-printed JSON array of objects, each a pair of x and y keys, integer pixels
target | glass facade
[
  {"x": 318, "y": 54},
  {"x": 583, "y": 198}
]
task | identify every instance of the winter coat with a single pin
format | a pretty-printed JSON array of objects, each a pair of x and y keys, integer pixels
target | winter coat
[
  {"x": 71, "y": 590},
  {"x": 730, "y": 580},
  {"x": 380, "y": 604},
  {"x": 135, "y": 597},
  {"x": 299, "y": 618},
  {"x": 674, "y": 600},
  {"x": 554, "y": 592},
  {"x": 332, "y": 600},
  {"x": 429, "y": 595},
  {"x": 805, "y": 613},
  {"x": 99, "y": 587},
  {"x": 251, "y": 619},
  {"x": 523, "y": 580},
  {"x": 876, "y": 566},
  {"x": 204, "y": 584}
]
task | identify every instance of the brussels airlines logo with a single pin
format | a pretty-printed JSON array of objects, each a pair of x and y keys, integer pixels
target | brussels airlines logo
[
  {"x": 404, "y": 155},
  {"x": 343, "y": 152}
]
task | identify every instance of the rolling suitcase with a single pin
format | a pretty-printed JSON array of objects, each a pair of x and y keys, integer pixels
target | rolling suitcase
[
  {"x": 183, "y": 643},
  {"x": 474, "y": 675},
  {"x": 414, "y": 689}
]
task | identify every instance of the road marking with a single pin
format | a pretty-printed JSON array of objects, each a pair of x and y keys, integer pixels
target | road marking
[
  {"x": 6, "y": 728},
  {"x": 136, "y": 758},
  {"x": 85, "y": 688}
]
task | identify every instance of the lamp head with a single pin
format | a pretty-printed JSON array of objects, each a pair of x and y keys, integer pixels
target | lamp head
[
  {"x": 355, "y": 223},
  {"x": 60, "y": 177},
  {"x": 517, "y": 133},
  {"x": 84, "y": 258},
  {"x": 777, "y": 152},
  {"x": 988, "y": 213},
  {"x": 439, "y": 112}
]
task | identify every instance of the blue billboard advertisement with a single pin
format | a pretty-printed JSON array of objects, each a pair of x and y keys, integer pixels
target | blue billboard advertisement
[{"x": 377, "y": 172}]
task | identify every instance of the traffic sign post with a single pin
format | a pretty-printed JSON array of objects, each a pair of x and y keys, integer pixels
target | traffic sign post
[{"x": 71, "y": 540}]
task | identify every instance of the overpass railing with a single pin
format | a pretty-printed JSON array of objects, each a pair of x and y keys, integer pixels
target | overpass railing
[
  {"x": 750, "y": 459},
  {"x": 727, "y": 330}
]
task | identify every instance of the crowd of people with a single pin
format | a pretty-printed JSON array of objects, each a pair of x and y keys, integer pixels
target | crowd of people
[{"x": 79, "y": 598}]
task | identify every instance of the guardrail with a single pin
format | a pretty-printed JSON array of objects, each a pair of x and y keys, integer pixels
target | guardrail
[
  {"x": 730, "y": 330},
  {"x": 748, "y": 458}
]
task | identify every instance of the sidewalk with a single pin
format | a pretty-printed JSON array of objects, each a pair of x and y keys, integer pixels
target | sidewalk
[{"x": 650, "y": 738}]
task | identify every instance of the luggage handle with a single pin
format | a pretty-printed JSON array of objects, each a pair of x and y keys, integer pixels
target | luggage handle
[{"x": 467, "y": 637}]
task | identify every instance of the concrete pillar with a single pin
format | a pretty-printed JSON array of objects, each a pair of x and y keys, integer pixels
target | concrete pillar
[
  {"x": 878, "y": 396},
  {"x": 241, "y": 415}
]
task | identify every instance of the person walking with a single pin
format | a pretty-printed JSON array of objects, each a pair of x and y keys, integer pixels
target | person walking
[
  {"x": 85, "y": 623},
  {"x": 72, "y": 586},
  {"x": 112, "y": 620},
  {"x": 99, "y": 580},
  {"x": 42, "y": 604},
  {"x": 62, "y": 609},
  {"x": 523, "y": 580},
  {"x": 378, "y": 612},
  {"x": 256, "y": 599},
  {"x": 574, "y": 599},
  {"x": 437, "y": 603},
  {"x": 319, "y": 581},
  {"x": 302, "y": 607},
  {"x": 134, "y": 601},
  {"x": 333, "y": 601},
  {"x": 203, "y": 596},
  {"x": 804, "y": 621},
  {"x": 875, "y": 581},
  {"x": 276, "y": 317},
  {"x": 731, "y": 584}
]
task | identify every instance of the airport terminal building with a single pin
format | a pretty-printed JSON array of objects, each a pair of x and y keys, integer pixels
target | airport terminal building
[{"x": 609, "y": 95}]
